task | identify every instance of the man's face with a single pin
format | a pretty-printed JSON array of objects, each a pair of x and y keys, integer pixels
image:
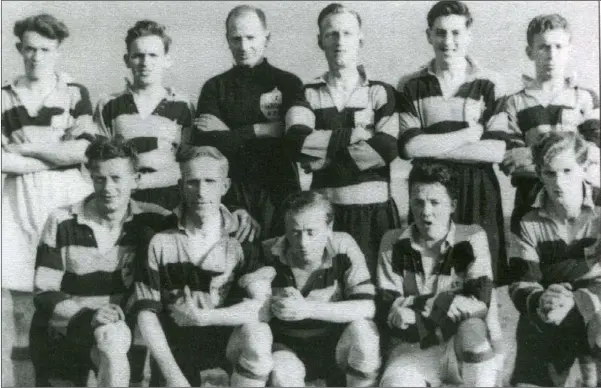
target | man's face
[
  {"x": 450, "y": 37},
  {"x": 307, "y": 233},
  {"x": 340, "y": 38},
  {"x": 113, "y": 181},
  {"x": 431, "y": 207},
  {"x": 247, "y": 39},
  {"x": 40, "y": 54},
  {"x": 562, "y": 177},
  {"x": 550, "y": 52},
  {"x": 204, "y": 182},
  {"x": 147, "y": 60}
]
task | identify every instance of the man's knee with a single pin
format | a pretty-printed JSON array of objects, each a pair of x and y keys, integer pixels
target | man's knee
[
  {"x": 288, "y": 369},
  {"x": 253, "y": 342},
  {"x": 405, "y": 377},
  {"x": 362, "y": 340},
  {"x": 471, "y": 341},
  {"x": 113, "y": 338}
]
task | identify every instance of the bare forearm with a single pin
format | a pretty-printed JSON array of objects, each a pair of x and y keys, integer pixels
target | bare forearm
[
  {"x": 239, "y": 314},
  {"x": 152, "y": 332},
  {"x": 487, "y": 151},
  {"x": 435, "y": 145},
  {"x": 64, "y": 153},
  {"x": 17, "y": 164},
  {"x": 342, "y": 312},
  {"x": 163, "y": 178}
]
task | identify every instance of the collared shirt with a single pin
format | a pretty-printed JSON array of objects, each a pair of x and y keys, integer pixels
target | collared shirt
[
  {"x": 463, "y": 267},
  {"x": 65, "y": 114},
  {"x": 423, "y": 109},
  {"x": 71, "y": 270},
  {"x": 529, "y": 113},
  {"x": 173, "y": 264},
  {"x": 158, "y": 136},
  {"x": 317, "y": 128},
  {"x": 545, "y": 251},
  {"x": 343, "y": 275}
]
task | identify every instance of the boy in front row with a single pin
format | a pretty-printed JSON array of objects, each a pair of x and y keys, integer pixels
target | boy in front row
[
  {"x": 436, "y": 292},
  {"x": 189, "y": 300},
  {"x": 323, "y": 301},
  {"x": 555, "y": 264}
]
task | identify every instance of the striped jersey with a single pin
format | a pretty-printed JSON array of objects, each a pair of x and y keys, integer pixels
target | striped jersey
[
  {"x": 545, "y": 251},
  {"x": 71, "y": 270},
  {"x": 65, "y": 114},
  {"x": 342, "y": 276},
  {"x": 529, "y": 113},
  {"x": 317, "y": 128},
  {"x": 423, "y": 109},
  {"x": 156, "y": 137},
  {"x": 215, "y": 279},
  {"x": 463, "y": 267}
]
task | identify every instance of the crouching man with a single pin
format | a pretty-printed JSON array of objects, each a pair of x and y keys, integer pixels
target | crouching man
[
  {"x": 557, "y": 274},
  {"x": 84, "y": 273},
  {"x": 323, "y": 300},
  {"x": 436, "y": 292},
  {"x": 190, "y": 298}
]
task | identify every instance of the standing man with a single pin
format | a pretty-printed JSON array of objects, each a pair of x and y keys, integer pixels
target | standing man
[
  {"x": 241, "y": 112},
  {"x": 444, "y": 110},
  {"x": 345, "y": 135}
]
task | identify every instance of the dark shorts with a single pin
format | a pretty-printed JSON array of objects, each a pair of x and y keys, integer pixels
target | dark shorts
[
  {"x": 367, "y": 224},
  {"x": 195, "y": 349},
  {"x": 166, "y": 197},
  {"x": 318, "y": 354}
]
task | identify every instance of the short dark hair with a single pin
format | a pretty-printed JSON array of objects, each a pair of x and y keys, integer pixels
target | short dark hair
[
  {"x": 335, "y": 8},
  {"x": 550, "y": 144},
  {"x": 148, "y": 28},
  {"x": 434, "y": 173},
  {"x": 446, "y": 8},
  {"x": 297, "y": 202},
  {"x": 103, "y": 148},
  {"x": 543, "y": 23},
  {"x": 44, "y": 24},
  {"x": 243, "y": 9}
]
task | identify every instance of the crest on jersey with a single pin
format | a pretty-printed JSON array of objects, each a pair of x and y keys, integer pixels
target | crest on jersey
[{"x": 270, "y": 104}]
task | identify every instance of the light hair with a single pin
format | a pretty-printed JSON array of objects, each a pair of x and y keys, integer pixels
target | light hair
[
  {"x": 297, "y": 202},
  {"x": 189, "y": 153},
  {"x": 543, "y": 23},
  {"x": 243, "y": 10},
  {"x": 551, "y": 144}
]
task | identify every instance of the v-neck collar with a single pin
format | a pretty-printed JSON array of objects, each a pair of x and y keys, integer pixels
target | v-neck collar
[
  {"x": 62, "y": 79},
  {"x": 168, "y": 94}
]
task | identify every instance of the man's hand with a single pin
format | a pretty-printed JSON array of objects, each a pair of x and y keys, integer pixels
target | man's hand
[
  {"x": 555, "y": 303},
  {"x": 110, "y": 313},
  {"x": 291, "y": 307},
  {"x": 248, "y": 227},
  {"x": 516, "y": 158},
  {"x": 464, "y": 307},
  {"x": 359, "y": 134},
  {"x": 401, "y": 317},
  {"x": 273, "y": 129},
  {"x": 310, "y": 163},
  {"x": 185, "y": 311}
]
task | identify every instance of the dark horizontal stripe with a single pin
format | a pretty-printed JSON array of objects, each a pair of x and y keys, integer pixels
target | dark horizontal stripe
[
  {"x": 427, "y": 85},
  {"x": 389, "y": 108},
  {"x": 385, "y": 145},
  {"x": 17, "y": 117},
  {"x": 524, "y": 270},
  {"x": 363, "y": 296},
  {"x": 512, "y": 140},
  {"x": 480, "y": 287},
  {"x": 446, "y": 126},
  {"x": 349, "y": 175},
  {"x": 49, "y": 257},
  {"x": 144, "y": 144},
  {"x": 330, "y": 118},
  {"x": 145, "y": 304},
  {"x": 404, "y": 138},
  {"x": 120, "y": 105},
  {"x": 178, "y": 111},
  {"x": 83, "y": 105},
  {"x": 532, "y": 117},
  {"x": 339, "y": 141},
  {"x": 175, "y": 276},
  {"x": 70, "y": 232},
  {"x": 459, "y": 257},
  {"x": 86, "y": 136},
  {"x": 93, "y": 284},
  {"x": 47, "y": 300},
  {"x": 295, "y": 138},
  {"x": 405, "y": 258},
  {"x": 590, "y": 130},
  {"x": 476, "y": 357},
  {"x": 555, "y": 251}
]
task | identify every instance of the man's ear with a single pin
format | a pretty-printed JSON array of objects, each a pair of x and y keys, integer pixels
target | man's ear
[
  {"x": 267, "y": 37},
  {"x": 126, "y": 60},
  {"x": 19, "y": 46},
  {"x": 319, "y": 41},
  {"x": 428, "y": 35},
  {"x": 453, "y": 205},
  {"x": 529, "y": 52},
  {"x": 361, "y": 39},
  {"x": 168, "y": 61},
  {"x": 227, "y": 182}
]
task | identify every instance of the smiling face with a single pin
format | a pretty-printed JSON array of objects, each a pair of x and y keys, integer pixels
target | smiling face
[
  {"x": 147, "y": 60},
  {"x": 247, "y": 39},
  {"x": 550, "y": 52},
  {"x": 40, "y": 55},
  {"x": 340, "y": 38},
  {"x": 450, "y": 37},
  {"x": 113, "y": 180},
  {"x": 431, "y": 207}
]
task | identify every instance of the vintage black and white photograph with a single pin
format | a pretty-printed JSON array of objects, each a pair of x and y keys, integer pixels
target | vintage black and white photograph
[{"x": 300, "y": 193}]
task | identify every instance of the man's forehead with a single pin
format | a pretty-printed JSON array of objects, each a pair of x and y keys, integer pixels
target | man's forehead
[
  {"x": 245, "y": 20},
  {"x": 204, "y": 167},
  {"x": 33, "y": 38},
  {"x": 450, "y": 22},
  {"x": 429, "y": 190},
  {"x": 116, "y": 166}
]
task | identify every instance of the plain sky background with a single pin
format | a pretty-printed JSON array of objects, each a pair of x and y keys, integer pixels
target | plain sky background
[{"x": 395, "y": 38}]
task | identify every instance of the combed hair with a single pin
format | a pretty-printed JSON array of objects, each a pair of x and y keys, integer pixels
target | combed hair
[
  {"x": 543, "y": 23},
  {"x": 297, "y": 202},
  {"x": 446, "y": 8},
  {"x": 336, "y": 8},
  {"x": 188, "y": 153},
  {"x": 103, "y": 148},
  {"x": 434, "y": 173},
  {"x": 44, "y": 24},
  {"x": 148, "y": 28},
  {"x": 244, "y": 9},
  {"x": 550, "y": 144}
]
